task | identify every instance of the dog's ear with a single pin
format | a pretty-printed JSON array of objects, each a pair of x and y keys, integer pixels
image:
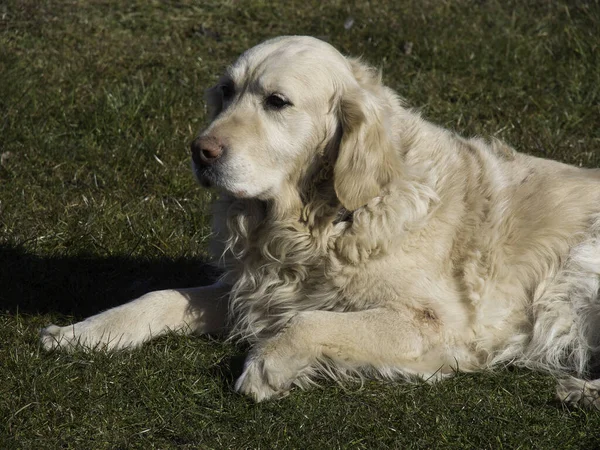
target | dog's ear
[{"x": 367, "y": 159}]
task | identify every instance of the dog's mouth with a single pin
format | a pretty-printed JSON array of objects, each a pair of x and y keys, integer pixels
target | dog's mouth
[
  {"x": 208, "y": 177},
  {"x": 205, "y": 175},
  {"x": 205, "y": 183}
]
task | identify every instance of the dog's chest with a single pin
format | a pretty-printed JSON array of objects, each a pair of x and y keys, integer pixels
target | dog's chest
[{"x": 327, "y": 281}]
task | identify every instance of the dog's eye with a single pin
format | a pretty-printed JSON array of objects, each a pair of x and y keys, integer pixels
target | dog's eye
[
  {"x": 277, "y": 101},
  {"x": 227, "y": 91}
]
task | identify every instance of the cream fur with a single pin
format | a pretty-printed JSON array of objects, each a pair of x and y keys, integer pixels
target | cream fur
[{"x": 356, "y": 237}]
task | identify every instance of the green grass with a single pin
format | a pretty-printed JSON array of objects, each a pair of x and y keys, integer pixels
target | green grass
[{"x": 98, "y": 102}]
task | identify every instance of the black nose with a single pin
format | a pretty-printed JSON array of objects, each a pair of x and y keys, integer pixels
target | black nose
[{"x": 206, "y": 150}]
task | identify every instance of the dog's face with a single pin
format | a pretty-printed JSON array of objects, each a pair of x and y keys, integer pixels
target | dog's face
[
  {"x": 280, "y": 104},
  {"x": 270, "y": 109}
]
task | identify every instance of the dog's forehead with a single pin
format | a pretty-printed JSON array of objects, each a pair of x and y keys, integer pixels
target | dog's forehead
[{"x": 296, "y": 57}]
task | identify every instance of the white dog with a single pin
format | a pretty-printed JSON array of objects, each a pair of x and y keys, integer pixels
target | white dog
[{"x": 357, "y": 237}]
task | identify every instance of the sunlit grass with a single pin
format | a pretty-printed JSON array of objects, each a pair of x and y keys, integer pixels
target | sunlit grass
[{"x": 98, "y": 102}]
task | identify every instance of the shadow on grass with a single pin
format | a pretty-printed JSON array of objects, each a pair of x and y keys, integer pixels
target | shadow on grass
[
  {"x": 86, "y": 284},
  {"x": 228, "y": 370}
]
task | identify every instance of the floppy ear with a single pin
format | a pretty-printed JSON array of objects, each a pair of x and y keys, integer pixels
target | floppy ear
[{"x": 367, "y": 160}]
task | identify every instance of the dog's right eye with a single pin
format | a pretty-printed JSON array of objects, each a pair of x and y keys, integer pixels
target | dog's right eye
[
  {"x": 227, "y": 91},
  {"x": 277, "y": 101}
]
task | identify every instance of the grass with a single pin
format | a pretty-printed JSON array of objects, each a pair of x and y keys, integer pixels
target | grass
[{"x": 98, "y": 102}]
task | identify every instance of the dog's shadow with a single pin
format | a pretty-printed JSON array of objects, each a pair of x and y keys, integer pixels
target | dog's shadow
[
  {"x": 83, "y": 285},
  {"x": 228, "y": 370},
  {"x": 77, "y": 287}
]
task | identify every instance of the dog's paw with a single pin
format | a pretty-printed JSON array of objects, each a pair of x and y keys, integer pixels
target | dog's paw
[
  {"x": 267, "y": 377},
  {"x": 77, "y": 336},
  {"x": 581, "y": 392},
  {"x": 54, "y": 336}
]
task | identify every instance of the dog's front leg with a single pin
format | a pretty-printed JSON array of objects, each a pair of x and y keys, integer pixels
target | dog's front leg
[
  {"x": 194, "y": 310},
  {"x": 379, "y": 338}
]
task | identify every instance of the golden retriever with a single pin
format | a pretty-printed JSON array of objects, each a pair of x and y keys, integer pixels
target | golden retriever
[{"x": 358, "y": 238}]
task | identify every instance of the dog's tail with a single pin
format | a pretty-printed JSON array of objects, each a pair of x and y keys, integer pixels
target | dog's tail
[{"x": 584, "y": 393}]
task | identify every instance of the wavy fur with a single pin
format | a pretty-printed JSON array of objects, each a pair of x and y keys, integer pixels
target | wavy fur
[
  {"x": 358, "y": 238},
  {"x": 537, "y": 307}
]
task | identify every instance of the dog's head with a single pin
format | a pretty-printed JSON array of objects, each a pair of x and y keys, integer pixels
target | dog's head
[{"x": 286, "y": 102}]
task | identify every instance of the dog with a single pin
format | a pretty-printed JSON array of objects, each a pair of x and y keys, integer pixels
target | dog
[{"x": 357, "y": 238}]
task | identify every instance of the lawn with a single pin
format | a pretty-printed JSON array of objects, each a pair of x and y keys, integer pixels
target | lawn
[{"x": 98, "y": 103}]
